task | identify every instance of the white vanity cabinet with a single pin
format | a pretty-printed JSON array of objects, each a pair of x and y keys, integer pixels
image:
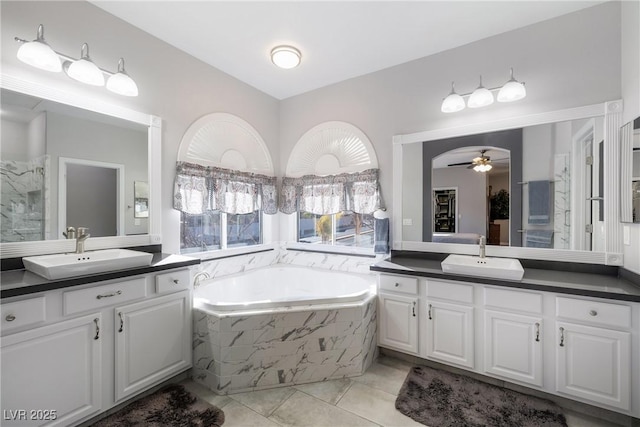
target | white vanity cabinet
[
  {"x": 593, "y": 357},
  {"x": 513, "y": 340},
  {"x": 93, "y": 346},
  {"x": 450, "y": 323},
  {"x": 152, "y": 342},
  {"x": 398, "y": 311},
  {"x": 586, "y": 349},
  {"x": 52, "y": 375}
]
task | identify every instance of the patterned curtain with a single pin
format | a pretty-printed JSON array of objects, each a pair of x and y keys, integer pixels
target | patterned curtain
[
  {"x": 323, "y": 195},
  {"x": 198, "y": 189}
]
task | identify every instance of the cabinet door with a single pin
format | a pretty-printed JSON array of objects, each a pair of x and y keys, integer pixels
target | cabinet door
[
  {"x": 52, "y": 375},
  {"x": 594, "y": 364},
  {"x": 450, "y": 333},
  {"x": 153, "y": 342},
  {"x": 398, "y": 322},
  {"x": 513, "y": 346}
]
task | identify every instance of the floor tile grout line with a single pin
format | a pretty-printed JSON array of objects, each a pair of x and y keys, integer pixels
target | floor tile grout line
[
  {"x": 293, "y": 391},
  {"x": 345, "y": 392}
]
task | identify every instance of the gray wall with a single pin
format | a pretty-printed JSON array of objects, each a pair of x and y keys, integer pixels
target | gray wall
[
  {"x": 69, "y": 136},
  {"x": 173, "y": 85}
]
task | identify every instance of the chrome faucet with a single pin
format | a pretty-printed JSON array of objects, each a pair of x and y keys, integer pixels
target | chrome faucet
[
  {"x": 82, "y": 234},
  {"x": 483, "y": 244}
]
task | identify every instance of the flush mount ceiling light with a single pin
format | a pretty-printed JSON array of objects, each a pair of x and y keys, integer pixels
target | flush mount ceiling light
[
  {"x": 286, "y": 57},
  {"x": 512, "y": 90},
  {"x": 40, "y": 55}
]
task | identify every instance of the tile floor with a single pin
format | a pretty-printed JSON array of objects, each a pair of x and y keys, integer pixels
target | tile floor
[{"x": 367, "y": 400}]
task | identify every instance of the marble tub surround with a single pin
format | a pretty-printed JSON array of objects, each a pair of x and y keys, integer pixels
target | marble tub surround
[
  {"x": 244, "y": 351},
  {"x": 278, "y": 253}
]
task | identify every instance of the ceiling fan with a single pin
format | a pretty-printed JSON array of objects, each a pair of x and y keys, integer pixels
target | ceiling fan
[{"x": 480, "y": 164}]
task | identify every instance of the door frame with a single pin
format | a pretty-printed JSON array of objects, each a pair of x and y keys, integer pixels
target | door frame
[{"x": 62, "y": 191}]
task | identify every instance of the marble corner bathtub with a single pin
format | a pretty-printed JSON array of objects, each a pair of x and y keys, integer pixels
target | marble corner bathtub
[{"x": 282, "y": 325}]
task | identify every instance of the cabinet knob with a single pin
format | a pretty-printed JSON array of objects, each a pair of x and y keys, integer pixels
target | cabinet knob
[
  {"x": 397, "y": 284},
  {"x": 10, "y": 318},
  {"x": 176, "y": 281},
  {"x": 593, "y": 313}
]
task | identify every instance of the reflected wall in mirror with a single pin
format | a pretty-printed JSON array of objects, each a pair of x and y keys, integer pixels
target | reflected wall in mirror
[
  {"x": 36, "y": 135},
  {"x": 543, "y": 190},
  {"x": 630, "y": 172}
]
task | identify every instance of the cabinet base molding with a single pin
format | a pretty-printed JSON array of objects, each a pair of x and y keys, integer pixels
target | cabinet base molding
[{"x": 564, "y": 403}]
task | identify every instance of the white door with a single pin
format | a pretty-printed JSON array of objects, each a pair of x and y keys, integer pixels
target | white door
[
  {"x": 513, "y": 346},
  {"x": 450, "y": 333},
  {"x": 593, "y": 364},
  {"x": 398, "y": 322},
  {"x": 52, "y": 375},
  {"x": 153, "y": 342}
]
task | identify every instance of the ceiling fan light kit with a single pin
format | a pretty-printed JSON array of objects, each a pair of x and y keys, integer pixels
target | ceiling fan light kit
[{"x": 512, "y": 90}]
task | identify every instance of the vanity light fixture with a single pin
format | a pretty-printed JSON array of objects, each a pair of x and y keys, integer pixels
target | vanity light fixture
[
  {"x": 84, "y": 70},
  {"x": 512, "y": 90},
  {"x": 40, "y": 55},
  {"x": 286, "y": 57}
]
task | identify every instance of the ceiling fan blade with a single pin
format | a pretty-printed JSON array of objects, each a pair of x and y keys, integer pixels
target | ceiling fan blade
[{"x": 460, "y": 164}]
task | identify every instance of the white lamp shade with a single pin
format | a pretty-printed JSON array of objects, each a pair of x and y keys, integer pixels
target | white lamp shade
[
  {"x": 481, "y": 97},
  {"x": 286, "y": 57},
  {"x": 452, "y": 103},
  {"x": 483, "y": 167},
  {"x": 40, "y": 55},
  {"x": 122, "y": 84},
  {"x": 512, "y": 91},
  {"x": 85, "y": 71}
]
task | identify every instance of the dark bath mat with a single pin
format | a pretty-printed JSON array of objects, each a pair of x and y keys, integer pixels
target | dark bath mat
[
  {"x": 170, "y": 406},
  {"x": 441, "y": 399}
]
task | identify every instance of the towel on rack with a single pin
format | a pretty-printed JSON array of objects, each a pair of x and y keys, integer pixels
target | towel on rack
[
  {"x": 381, "y": 235},
  {"x": 539, "y": 238},
  {"x": 539, "y": 202}
]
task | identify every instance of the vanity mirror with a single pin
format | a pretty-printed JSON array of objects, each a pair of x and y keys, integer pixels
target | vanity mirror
[
  {"x": 70, "y": 161},
  {"x": 536, "y": 186},
  {"x": 630, "y": 172}
]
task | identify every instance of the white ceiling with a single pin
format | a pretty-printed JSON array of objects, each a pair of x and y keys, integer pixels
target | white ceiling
[{"x": 338, "y": 40}]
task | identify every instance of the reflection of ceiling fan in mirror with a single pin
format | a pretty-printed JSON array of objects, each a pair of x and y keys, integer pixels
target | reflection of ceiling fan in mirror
[{"x": 481, "y": 163}]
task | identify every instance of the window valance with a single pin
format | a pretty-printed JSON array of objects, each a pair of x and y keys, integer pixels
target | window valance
[
  {"x": 322, "y": 195},
  {"x": 198, "y": 189}
]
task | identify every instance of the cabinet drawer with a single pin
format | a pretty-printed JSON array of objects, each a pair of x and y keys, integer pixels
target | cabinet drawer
[
  {"x": 104, "y": 295},
  {"x": 172, "y": 281},
  {"x": 452, "y": 291},
  {"x": 594, "y": 312},
  {"x": 406, "y": 285},
  {"x": 518, "y": 301},
  {"x": 22, "y": 313}
]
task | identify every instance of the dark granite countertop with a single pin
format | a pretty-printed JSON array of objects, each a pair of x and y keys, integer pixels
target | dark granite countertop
[
  {"x": 21, "y": 282},
  {"x": 567, "y": 282}
]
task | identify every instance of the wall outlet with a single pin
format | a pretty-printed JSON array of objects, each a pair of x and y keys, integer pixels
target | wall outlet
[
  {"x": 407, "y": 221},
  {"x": 155, "y": 238}
]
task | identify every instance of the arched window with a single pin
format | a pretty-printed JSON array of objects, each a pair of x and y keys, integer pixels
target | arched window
[
  {"x": 224, "y": 184},
  {"x": 331, "y": 184}
]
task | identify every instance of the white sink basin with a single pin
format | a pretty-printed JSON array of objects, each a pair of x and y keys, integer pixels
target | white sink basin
[
  {"x": 60, "y": 266},
  {"x": 497, "y": 268}
]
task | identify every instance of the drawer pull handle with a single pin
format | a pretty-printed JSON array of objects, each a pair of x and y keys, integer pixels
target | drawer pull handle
[
  {"x": 430, "y": 312},
  {"x": 121, "y": 322},
  {"x": 593, "y": 313},
  {"x": 109, "y": 295},
  {"x": 397, "y": 284},
  {"x": 561, "y": 337},
  {"x": 10, "y": 318},
  {"x": 413, "y": 309},
  {"x": 176, "y": 281},
  {"x": 97, "y": 329},
  {"x": 537, "y": 332}
]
